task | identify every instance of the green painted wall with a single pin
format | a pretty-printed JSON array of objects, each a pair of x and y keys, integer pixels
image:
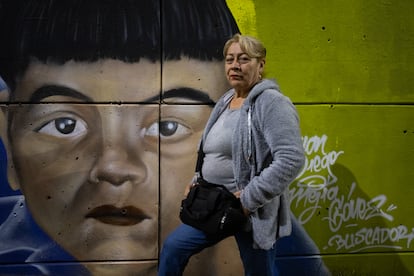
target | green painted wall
[
  {"x": 340, "y": 51},
  {"x": 349, "y": 67}
]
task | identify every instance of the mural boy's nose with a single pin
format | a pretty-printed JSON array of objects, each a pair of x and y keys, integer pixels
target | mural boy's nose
[{"x": 117, "y": 167}]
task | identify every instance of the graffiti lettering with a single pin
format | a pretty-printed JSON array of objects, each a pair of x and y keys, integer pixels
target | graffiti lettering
[
  {"x": 314, "y": 144},
  {"x": 316, "y": 187},
  {"x": 377, "y": 237},
  {"x": 318, "y": 162},
  {"x": 311, "y": 196},
  {"x": 341, "y": 211}
]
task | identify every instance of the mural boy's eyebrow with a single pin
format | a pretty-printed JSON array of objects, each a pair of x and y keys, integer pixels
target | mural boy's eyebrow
[
  {"x": 185, "y": 93},
  {"x": 57, "y": 90}
]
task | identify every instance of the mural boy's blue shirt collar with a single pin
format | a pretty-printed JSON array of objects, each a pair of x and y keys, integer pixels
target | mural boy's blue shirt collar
[{"x": 3, "y": 85}]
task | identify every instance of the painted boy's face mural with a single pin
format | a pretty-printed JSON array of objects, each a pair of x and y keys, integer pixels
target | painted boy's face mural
[
  {"x": 89, "y": 172},
  {"x": 114, "y": 96}
]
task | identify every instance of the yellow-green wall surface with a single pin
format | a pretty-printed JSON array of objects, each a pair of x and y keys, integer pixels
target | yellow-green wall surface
[
  {"x": 340, "y": 51},
  {"x": 348, "y": 66}
]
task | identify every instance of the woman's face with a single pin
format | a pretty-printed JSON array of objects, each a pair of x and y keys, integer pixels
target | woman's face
[
  {"x": 242, "y": 71},
  {"x": 89, "y": 166}
]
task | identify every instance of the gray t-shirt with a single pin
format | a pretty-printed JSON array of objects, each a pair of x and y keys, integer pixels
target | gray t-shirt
[{"x": 218, "y": 165}]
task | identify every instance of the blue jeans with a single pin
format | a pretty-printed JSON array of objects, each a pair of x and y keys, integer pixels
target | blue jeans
[{"x": 185, "y": 241}]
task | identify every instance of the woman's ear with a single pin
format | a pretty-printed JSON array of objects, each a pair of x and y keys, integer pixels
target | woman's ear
[
  {"x": 4, "y": 110},
  {"x": 262, "y": 62},
  {"x": 261, "y": 65}
]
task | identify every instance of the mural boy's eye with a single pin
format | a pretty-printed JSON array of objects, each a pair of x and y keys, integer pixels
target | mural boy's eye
[
  {"x": 168, "y": 130},
  {"x": 63, "y": 127}
]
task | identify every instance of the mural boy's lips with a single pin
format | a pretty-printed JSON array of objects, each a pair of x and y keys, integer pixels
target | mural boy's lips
[{"x": 124, "y": 216}]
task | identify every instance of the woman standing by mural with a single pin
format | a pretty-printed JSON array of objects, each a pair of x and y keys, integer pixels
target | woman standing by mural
[{"x": 253, "y": 117}]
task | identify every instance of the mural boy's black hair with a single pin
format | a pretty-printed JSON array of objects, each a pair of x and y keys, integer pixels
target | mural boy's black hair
[{"x": 88, "y": 30}]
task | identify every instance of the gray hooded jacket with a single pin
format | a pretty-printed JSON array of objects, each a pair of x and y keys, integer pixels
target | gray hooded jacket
[{"x": 267, "y": 156}]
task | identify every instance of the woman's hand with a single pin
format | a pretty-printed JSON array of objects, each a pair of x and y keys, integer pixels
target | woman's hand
[
  {"x": 188, "y": 188},
  {"x": 237, "y": 195},
  {"x": 190, "y": 185}
]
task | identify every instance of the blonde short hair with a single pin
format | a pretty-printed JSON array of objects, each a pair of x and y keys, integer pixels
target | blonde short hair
[{"x": 250, "y": 45}]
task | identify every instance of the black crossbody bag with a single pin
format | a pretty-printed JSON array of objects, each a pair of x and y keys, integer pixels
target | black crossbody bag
[{"x": 212, "y": 208}]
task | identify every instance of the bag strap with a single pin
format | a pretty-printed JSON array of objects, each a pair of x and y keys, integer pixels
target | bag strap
[{"x": 200, "y": 159}]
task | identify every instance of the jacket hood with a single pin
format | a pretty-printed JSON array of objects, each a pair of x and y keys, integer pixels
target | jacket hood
[{"x": 259, "y": 88}]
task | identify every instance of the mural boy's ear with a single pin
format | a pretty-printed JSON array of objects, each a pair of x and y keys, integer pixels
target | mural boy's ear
[{"x": 11, "y": 172}]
